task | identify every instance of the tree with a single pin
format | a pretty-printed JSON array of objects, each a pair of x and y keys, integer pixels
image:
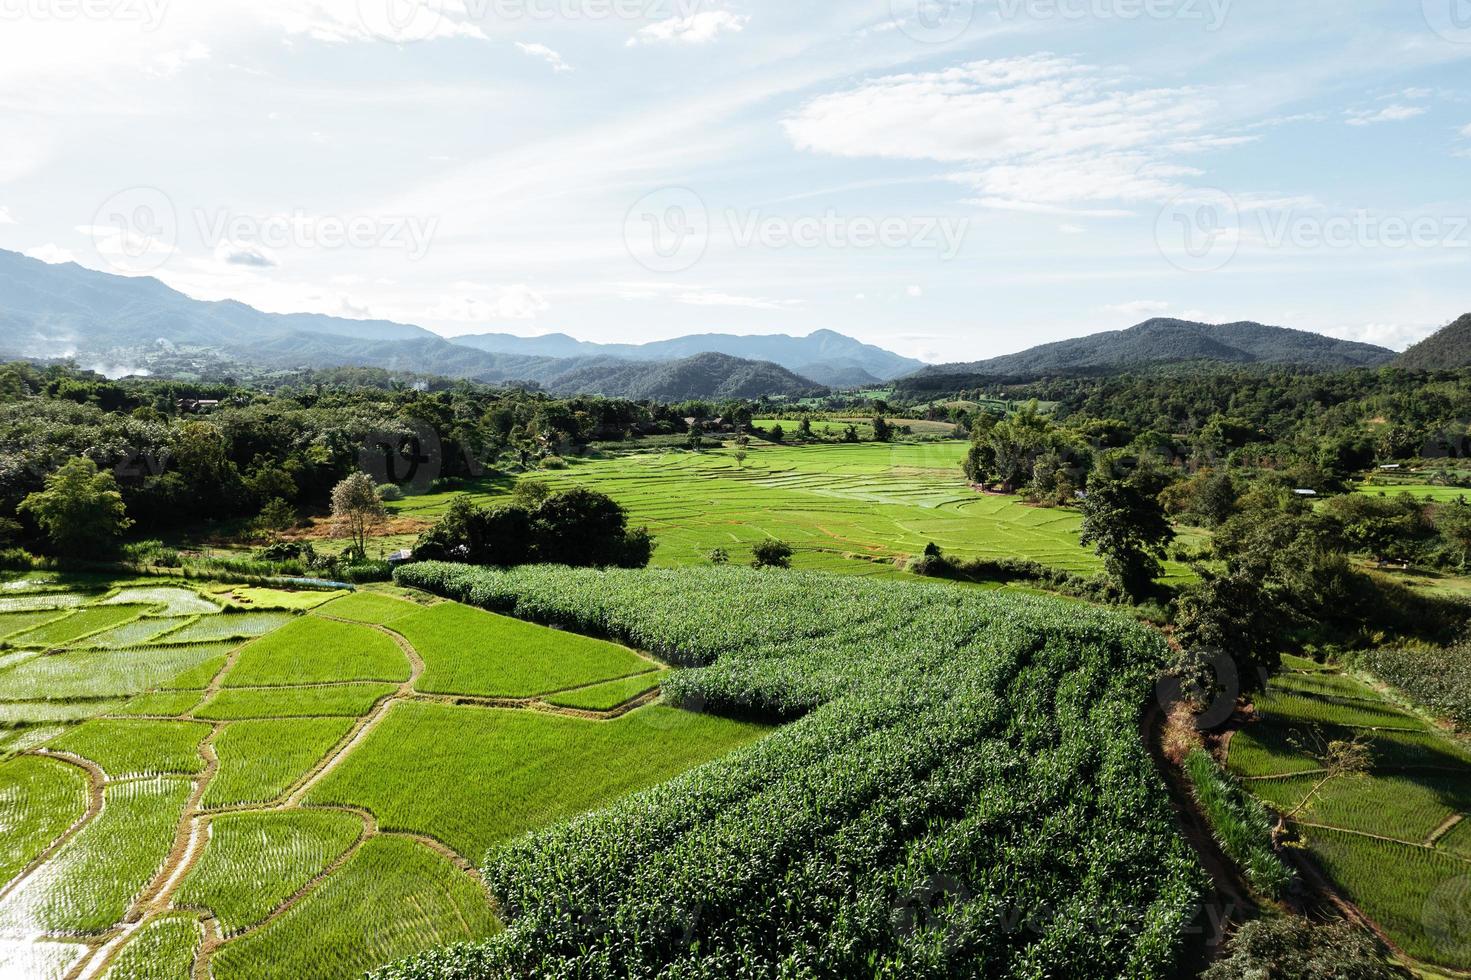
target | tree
[
  {"x": 1291, "y": 948},
  {"x": 719, "y": 556},
  {"x": 1453, "y": 521},
  {"x": 771, "y": 553},
  {"x": 740, "y": 457},
  {"x": 882, "y": 431},
  {"x": 357, "y": 510},
  {"x": 1128, "y": 530},
  {"x": 850, "y": 434},
  {"x": 804, "y": 427},
  {"x": 80, "y": 510},
  {"x": 778, "y": 433},
  {"x": 277, "y": 515}
]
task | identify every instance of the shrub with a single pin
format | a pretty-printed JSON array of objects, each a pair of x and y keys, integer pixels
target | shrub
[
  {"x": 1295, "y": 949},
  {"x": 1242, "y": 826},
  {"x": 771, "y": 553},
  {"x": 719, "y": 556},
  {"x": 16, "y": 559},
  {"x": 389, "y": 492}
]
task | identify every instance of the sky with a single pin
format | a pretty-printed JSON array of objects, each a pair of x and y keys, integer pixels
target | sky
[{"x": 949, "y": 179}]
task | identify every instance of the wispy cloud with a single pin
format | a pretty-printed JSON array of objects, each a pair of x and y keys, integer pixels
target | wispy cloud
[
  {"x": 700, "y": 28},
  {"x": 546, "y": 54},
  {"x": 1394, "y": 113}
]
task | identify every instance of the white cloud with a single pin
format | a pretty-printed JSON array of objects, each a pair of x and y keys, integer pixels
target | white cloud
[
  {"x": 516, "y": 302},
  {"x": 700, "y": 28},
  {"x": 51, "y": 254},
  {"x": 392, "y": 21},
  {"x": 709, "y": 298},
  {"x": 5, "y": 218},
  {"x": 1396, "y": 336},
  {"x": 1466, "y": 132},
  {"x": 1139, "y": 308},
  {"x": 914, "y": 292},
  {"x": 170, "y": 63},
  {"x": 1038, "y": 132},
  {"x": 246, "y": 254},
  {"x": 546, "y": 54},
  {"x": 1394, "y": 113}
]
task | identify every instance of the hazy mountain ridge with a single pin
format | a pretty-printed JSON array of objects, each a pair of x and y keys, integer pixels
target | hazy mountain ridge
[
  {"x": 59, "y": 311},
  {"x": 1445, "y": 350},
  {"x": 821, "y": 351},
  {"x": 1168, "y": 341}
]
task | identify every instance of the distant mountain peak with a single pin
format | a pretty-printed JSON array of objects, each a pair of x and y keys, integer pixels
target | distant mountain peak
[{"x": 1447, "y": 349}]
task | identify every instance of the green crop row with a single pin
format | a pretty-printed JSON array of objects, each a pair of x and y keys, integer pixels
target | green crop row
[
  {"x": 1438, "y": 679},
  {"x": 961, "y": 791},
  {"x": 1241, "y": 824}
]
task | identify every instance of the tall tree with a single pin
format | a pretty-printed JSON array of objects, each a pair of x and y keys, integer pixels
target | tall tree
[
  {"x": 1128, "y": 530},
  {"x": 357, "y": 509},
  {"x": 80, "y": 510}
]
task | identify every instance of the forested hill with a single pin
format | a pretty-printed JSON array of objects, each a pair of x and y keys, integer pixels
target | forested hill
[
  {"x": 701, "y": 376},
  {"x": 1444, "y": 351},
  {"x": 1166, "y": 341}
]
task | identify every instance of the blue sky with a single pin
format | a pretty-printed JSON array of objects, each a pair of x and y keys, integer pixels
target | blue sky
[{"x": 948, "y": 179}]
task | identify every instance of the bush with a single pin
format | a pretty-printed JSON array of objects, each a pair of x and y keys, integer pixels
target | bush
[
  {"x": 389, "y": 492},
  {"x": 1295, "y": 949},
  {"x": 771, "y": 553},
  {"x": 1438, "y": 679},
  {"x": 579, "y": 527},
  {"x": 1242, "y": 826},
  {"x": 152, "y": 553},
  {"x": 554, "y": 463},
  {"x": 719, "y": 556},
  {"x": 16, "y": 560},
  {"x": 366, "y": 571}
]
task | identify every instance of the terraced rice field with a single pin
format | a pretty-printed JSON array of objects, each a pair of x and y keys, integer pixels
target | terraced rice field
[
  {"x": 180, "y": 796},
  {"x": 1409, "y": 812},
  {"x": 831, "y": 503}
]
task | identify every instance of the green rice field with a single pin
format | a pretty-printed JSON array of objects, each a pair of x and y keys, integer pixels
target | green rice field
[
  {"x": 242, "y": 782},
  {"x": 844, "y": 508},
  {"x": 1409, "y": 811}
]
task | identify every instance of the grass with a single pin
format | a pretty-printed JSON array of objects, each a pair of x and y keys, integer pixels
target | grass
[
  {"x": 138, "y": 632},
  {"x": 169, "y": 600},
  {"x": 345, "y": 701},
  {"x": 467, "y": 651},
  {"x": 256, "y": 861},
  {"x": 1418, "y": 896},
  {"x": 311, "y": 650},
  {"x": 606, "y": 697},
  {"x": 260, "y": 597},
  {"x": 81, "y": 623},
  {"x": 161, "y": 704},
  {"x": 369, "y": 607},
  {"x": 235, "y": 626},
  {"x": 394, "y": 898},
  {"x": 137, "y": 748},
  {"x": 13, "y": 714},
  {"x": 163, "y": 949},
  {"x": 829, "y": 501},
  {"x": 105, "y": 673},
  {"x": 474, "y": 777},
  {"x": 39, "y": 800},
  {"x": 259, "y": 760},
  {"x": 1418, "y": 779},
  {"x": 1240, "y": 823},
  {"x": 89, "y": 884},
  {"x": 12, "y": 623}
]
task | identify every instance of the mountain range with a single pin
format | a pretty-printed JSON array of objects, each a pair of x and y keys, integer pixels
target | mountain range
[
  {"x": 49, "y": 311},
  {"x": 1160, "y": 342}
]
